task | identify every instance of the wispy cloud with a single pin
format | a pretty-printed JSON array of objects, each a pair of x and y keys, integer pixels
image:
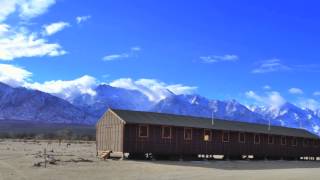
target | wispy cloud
[
  {"x": 307, "y": 67},
  {"x": 317, "y": 93},
  {"x": 135, "y": 48},
  {"x": 267, "y": 87},
  {"x": 67, "y": 89},
  {"x": 154, "y": 89},
  {"x": 113, "y": 57},
  {"x": 215, "y": 59},
  {"x": 54, "y": 28},
  {"x": 14, "y": 75},
  {"x": 271, "y": 99},
  {"x": 274, "y": 100},
  {"x": 271, "y": 65},
  {"x": 276, "y": 65},
  {"x": 21, "y": 43},
  {"x": 295, "y": 91},
  {"x": 81, "y": 19}
]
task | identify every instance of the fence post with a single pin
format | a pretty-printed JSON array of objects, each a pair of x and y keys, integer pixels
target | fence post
[{"x": 45, "y": 157}]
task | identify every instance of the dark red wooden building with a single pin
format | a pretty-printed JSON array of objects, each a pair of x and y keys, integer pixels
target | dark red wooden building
[{"x": 134, "y": 132}]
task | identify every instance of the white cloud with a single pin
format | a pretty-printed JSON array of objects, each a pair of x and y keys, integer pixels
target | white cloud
[
  {"x": 33, "y": 8},
  {"x": 272, "y": 99},
  {"x": 67, "y": 89},
  {"x": 21, "y": 44},
  {"x": 7, "y": 7},
  {"x": 112, "y": 57},
  {"x": 309, "y": 103},
  {"x": 17, "y": 76},
  {"x": 181, "y": 89},
  {"x": 253, "y": 95},
  {"x": 136, "y": 48},
  {"x": 275, "y": 99},
  {"x": 271, "y": 65},
  {"x": 317, "y": 93},
  {"x": 17, "y": 41},
  {"x": 276, "y": 65},
  {"x": 54, "y": 28},
  {"x": 267, "y": 87},
  {"x": 4, "y": 28},
  {"x": 295, "y": 91},
  {"x": 26, "y": 9},
  {"x": 153, "y": 89},
  {"x": 316, "y": 129},
  {"x": 81, "y": 19},
  {"x": 215, "y": 59},
  {"x": 13, "y": 75}
]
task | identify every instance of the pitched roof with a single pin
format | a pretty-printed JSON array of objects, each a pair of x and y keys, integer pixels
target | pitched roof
[{"x": 140, "y": 117}]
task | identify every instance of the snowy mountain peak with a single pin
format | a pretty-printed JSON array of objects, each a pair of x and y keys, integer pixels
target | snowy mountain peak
[
  {"x": 194, "y": 100},
  {"x": 196, "y": 105},
  {"x": 112, "y": 97},
  {"x": 291, "y": 116}
]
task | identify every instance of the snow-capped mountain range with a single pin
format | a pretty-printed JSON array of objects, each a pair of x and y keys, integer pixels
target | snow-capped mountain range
[
  {"x": 32, "y": 105},
  {"x": 196, "y": 105},
  {"x": 112, "y": 97}
]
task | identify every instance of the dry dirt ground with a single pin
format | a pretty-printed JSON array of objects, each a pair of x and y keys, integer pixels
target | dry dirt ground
[{"x": 23, "y": 160}]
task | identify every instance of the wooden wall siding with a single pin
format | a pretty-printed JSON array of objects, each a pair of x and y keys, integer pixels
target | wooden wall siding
[
  {"x": 177, "y": 145},
  {"x": 109, "y": 133}
]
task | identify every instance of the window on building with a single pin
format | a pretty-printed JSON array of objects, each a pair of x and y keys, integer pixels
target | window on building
[
  {"x": 242, "y": 137},
  {"x": 256, "y": 139},
  {"x": 143, "y": 131},
  {"x": 270, "y": 139},
  {"x": 225, "y": 136},
  {"x": 294, "y": 142},
  {"x": 166, "y": 132},
  {"x": 283, "y": 140},
  {"x": 207, "y": 135},
  {"x": 315, "y": 143},
  {"x": 187, "y": 134}
]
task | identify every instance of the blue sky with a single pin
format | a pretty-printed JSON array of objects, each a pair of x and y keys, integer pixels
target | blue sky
[{"x": 247, "y": 50}]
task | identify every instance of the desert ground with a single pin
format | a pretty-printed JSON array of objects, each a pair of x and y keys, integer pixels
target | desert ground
[{"x": 24, "y": 160}]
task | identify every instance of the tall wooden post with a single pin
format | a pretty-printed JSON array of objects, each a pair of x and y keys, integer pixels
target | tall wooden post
[{"x": 45, "y": 157}]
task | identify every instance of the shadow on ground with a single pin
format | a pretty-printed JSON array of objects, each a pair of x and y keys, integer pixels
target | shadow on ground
[{"x": 240, "y": 165}]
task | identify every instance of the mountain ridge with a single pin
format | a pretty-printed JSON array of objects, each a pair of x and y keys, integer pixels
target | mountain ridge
[{"x": 33, "y": 105}]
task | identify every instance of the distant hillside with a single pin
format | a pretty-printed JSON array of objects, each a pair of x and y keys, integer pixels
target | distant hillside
[
  {"x": 32, "y": 105},
  {"x": 26, "y": 129}
]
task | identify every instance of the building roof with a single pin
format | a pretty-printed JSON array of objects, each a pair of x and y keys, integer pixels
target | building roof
[{"x": 152, "y": 118}]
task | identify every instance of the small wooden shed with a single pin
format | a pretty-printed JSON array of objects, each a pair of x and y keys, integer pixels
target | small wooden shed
[{"x": 135, "y": 132}]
